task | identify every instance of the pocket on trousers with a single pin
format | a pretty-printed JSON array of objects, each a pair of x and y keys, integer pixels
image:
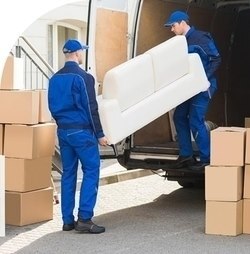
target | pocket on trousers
[{"x": 81, "y": 138}]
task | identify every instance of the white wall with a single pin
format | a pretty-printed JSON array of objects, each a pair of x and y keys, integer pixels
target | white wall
[{"x": 37, "y": 32}]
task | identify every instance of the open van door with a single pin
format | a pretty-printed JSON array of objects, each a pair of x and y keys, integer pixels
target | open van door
[{"x": 107, "y": 35}]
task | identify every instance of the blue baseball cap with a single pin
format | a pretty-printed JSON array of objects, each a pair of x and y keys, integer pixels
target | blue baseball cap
[
  {"x": 73, "y": 45},
  {"x": 176, "y": 16}
]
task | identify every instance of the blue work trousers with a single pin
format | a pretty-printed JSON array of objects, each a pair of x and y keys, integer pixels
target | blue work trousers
[
  {"x": 190, "y": 117},
  {"x": 78, "y": 145}
]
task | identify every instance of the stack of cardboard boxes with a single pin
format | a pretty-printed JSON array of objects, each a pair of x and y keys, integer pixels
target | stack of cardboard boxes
[
  {"x": 246, "y": 192},
  {"x": 224, "y": 180},
  {"x": 27, "y": 139}
]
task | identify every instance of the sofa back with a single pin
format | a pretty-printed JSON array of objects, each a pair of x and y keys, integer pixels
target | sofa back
[
  {"x": 170, "y": 61},
  {"x": 134, "y": 75}
]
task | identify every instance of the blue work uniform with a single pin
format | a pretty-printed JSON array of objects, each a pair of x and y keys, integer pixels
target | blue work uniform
[
  {"x": 73, "y": 105},
  {"x": 190, "y": 115}
]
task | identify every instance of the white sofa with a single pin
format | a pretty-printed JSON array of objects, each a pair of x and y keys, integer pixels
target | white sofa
[{"x": 142, "y": 89}]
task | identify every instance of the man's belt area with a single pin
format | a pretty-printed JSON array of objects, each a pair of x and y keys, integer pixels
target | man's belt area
[{"x": 73, "y": 126}]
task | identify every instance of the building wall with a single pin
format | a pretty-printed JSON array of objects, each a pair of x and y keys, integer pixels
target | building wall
[{"x": 72, "y": 14}]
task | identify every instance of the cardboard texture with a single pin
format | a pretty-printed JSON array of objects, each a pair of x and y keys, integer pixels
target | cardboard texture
[
  {"x": 22, "y": 175},
  {"x": 13, "y": 74},
  {"x": 247, "y": 155},
  {"x": 19, "y": 107},
  {"x": 114, "y": 50},
  {"x": 44, "y": 113},
  {"x": 247, "y": 122},
  {"x": 1, "y": 139},
  {"x": 246, "y": 192},
  {"x": 28, "y": 207},
  {"x": 228, "y": 146},
  {"x": 224, "y": 218},
  {"x": 29, "y": 141},
  {"x": 223, "y": 183},
  {"x": 246, "y": 216}
]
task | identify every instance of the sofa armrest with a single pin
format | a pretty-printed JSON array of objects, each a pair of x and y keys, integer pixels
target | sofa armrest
[{"x": 111, "y": 119}]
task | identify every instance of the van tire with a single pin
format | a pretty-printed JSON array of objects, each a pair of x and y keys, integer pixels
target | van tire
[
  {"x": 199, "y": 184},
  {"x": 186, "y": 184}
]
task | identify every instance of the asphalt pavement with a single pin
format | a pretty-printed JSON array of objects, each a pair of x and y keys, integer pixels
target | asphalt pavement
[{"x": 141, "y": 215}]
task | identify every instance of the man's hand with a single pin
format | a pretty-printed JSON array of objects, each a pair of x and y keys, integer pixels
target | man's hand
[{"x": 103, "y": 141}]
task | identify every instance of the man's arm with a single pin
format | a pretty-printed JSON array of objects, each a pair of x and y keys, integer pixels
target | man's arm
[
  {"x": 213, "y": 56},
  {"x": 90, "y": 85}
]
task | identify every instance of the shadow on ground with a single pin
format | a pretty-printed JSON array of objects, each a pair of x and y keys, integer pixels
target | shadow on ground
[{"x": 172, "y": 223}]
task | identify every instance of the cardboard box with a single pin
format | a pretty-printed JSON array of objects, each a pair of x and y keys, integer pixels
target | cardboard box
[
  {"x": 22, "y": 175},
  {"x": 28, "y": 207},
  {"x": 246, "y": 216},
  {"x": 1, "y": 139},
  {"x": 247, "y": 122},
  {"x": 224, "y": 218},
  {"x": 44, "y": 113},
  {"x": 223, "y": 183},
  {"x": 228, "y": 146},
  {"x": 29, "y": 141},
  {"x": 246, "y": 192},
  {"x": 19, "y": 107},
  {"x": 13, "y": 74},
  {"x": 247, "y": 155}
]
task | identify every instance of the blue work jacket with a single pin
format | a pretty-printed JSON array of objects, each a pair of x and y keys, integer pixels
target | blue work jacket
[
  {"x": 202, "y": 43},
  {"x": 72, "y": 99}
]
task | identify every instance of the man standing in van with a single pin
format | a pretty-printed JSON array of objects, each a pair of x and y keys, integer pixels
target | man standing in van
[
  {"x": 190, "y": 115},
  {"x": 73, "y": 105}
]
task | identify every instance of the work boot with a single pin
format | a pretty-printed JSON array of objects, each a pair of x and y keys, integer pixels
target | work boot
[
  {"x": 68, "y": 227},
  {"x": 183, "y": 161},
  {"x": 198, "y": 166},
  {"x": 88, "y": 226}
]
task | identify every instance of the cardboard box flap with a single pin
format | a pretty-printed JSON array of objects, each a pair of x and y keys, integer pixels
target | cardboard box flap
[{"x": 230, "y": 129}]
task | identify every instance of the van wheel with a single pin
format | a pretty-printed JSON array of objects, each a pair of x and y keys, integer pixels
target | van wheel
[
  {"x": 186, "y": 184},
  {"x": 199, "y": 184}
]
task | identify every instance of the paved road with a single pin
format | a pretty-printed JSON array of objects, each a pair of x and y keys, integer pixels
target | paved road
[{"x": 144, "y": 215}]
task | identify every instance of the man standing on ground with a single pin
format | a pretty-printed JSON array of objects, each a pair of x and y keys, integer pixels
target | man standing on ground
[
  {"x": 190, "y": 115},
  {"x": 73, "y": 105}
]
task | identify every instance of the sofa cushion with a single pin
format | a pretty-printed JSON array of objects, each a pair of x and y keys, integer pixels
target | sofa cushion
[
  {"x": 170, "y": 61},
  {"x": 130, "y": 82}
]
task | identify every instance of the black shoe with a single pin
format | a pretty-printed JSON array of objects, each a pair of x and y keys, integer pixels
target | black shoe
[
  {"x": 183, "y": 161},
  {"x": 88, "y": 227},
  {"x": 199, "y": 166},
  {"x": 68, "y": 227}
]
